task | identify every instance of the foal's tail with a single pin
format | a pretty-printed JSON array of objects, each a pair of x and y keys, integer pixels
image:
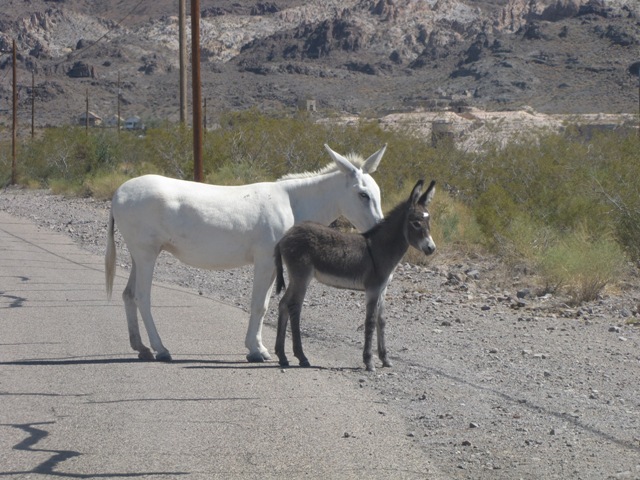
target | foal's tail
[
  {"x": 279, "y": 270},
  {"x": 110, "y": 257}
]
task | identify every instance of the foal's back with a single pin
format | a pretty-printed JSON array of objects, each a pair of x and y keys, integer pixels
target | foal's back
[{"x": 330, "y": 256}]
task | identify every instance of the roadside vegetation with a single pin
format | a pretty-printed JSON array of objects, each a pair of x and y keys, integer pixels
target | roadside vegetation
[{"x": 562, "y": 206}]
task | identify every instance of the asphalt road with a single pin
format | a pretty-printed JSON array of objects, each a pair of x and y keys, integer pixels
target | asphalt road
[{"x": 75, "y": 402}]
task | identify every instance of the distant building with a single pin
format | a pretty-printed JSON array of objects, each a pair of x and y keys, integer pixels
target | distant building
[
  {"x": 133, "y": 123},
  {"x": 113, "y": 121},
  {"x": 91, "y": 119},
  {"x": 307, "y": 104}
]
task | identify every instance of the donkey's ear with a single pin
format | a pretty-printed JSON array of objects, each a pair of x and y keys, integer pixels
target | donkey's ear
[
  {"x": 370, "y": 165},
  {"x": 342, "y": 162},
  {"x": 415, "y": 193},
  {"x": 427, "y": 196}
]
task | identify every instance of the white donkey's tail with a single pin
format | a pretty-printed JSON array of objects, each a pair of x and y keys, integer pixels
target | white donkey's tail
[{"x": 110, "y": 257}]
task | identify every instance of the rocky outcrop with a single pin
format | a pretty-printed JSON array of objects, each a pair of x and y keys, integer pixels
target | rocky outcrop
[
  {"x": 350, "y": 55},
  {"x": 517, "y": 13},
  {"x": 80, "y": 70}
]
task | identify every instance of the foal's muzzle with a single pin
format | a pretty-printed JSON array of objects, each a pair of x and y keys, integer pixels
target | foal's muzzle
[{"x": 428, "y": 246}]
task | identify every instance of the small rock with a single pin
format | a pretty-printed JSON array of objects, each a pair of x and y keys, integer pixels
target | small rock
[
  {"x": 474, "y": 274},
  {"x": 473, "y": 425},
  {"x": 614, "y": 329}
]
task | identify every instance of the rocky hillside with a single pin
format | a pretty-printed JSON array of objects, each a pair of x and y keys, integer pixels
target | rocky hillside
[{"x": 358, "y": 56}]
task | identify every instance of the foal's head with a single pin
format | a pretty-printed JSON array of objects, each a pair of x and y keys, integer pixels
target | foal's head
[{"x": 418, "y": 229}]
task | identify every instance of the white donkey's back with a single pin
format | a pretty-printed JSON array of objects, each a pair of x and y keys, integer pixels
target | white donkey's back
[
  {"x": 219, "y": 227},
  {"x": 206, "y": 226}
]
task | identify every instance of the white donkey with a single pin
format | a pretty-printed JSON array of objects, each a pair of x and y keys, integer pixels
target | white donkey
[{"x": 220, "y": 227}]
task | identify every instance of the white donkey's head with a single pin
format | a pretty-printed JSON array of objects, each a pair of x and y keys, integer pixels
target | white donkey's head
[{"x": 361, "y": 201}]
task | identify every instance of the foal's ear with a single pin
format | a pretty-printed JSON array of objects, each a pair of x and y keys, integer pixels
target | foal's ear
[
  {"x": 370, "y": 165},
  {"x": 342, "y": 162},
  {"x": 427, "y": 196},
  {"x": 415, "y": 193}
]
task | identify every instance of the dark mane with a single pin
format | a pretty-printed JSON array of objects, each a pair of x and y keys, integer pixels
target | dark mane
[{"x": 395, "y": 215}]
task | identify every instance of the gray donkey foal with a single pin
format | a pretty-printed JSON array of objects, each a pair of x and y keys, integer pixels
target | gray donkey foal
[{"x": 352, "y": 261}]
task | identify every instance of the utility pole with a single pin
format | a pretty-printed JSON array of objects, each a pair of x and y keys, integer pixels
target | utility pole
[
  {"x": 197, "y": 91},
  {"x": 14, "y": 131},
  {"x": 118, "y": 114},
  {"x": 33, "y": 102},
  {"x": 183, "y": 60},
  {"x": 86, "y": 113}
]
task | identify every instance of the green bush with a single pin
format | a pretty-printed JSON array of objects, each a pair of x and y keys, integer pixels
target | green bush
[{"x": 582, "y": 265}]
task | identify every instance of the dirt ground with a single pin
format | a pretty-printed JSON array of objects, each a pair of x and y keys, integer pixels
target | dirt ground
[{"x": 493, "y": 381}]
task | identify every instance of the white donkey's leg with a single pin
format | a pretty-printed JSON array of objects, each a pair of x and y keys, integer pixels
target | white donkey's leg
[
  {"x": 144, "y": 277},
  {"x": 264, "y": 275},
  {"x": 132, "y": 317}
]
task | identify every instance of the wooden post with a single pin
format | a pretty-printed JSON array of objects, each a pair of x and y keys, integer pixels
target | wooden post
[
  {"x": 197, "y": 91},
  {"x": 118, "y": 120},
  {"x": 14, "y": 131},
  {"x": 204, "y": 118},
  {"x": 182, "y": 40},
  {"x": 86, "y": 113},
  {"x": 33, "y": 103}
]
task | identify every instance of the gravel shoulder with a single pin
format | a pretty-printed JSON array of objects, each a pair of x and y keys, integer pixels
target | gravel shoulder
[{"x": 492, "y": 386}]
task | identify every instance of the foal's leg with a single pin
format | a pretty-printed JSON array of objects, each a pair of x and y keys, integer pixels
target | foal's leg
[
  {"x": 264, "y": 274},
  {"x": 295, "y": 308},
  {"x": 290, "y": 307},
  {"x": 132, "y": 316},
  {"x": 143, "y": 279},
  {"x": 380, "y": 325},
  {"x": 373, "y": 303},
  {"x": 283, "y": 319}
]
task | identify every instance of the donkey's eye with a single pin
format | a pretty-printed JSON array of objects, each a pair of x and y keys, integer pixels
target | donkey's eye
[
  {"x": 364, "y": 195},
  {"x": 417, "y": 225}
]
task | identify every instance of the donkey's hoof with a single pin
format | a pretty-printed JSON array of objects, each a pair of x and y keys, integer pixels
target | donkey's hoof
[
  {"x": 371, "y": 368},
  {"x": 146, "y": 355},
  {"x": 387, "y": 363},
  {"x": 255, "y": 357},
  {"x": 265, "y": 356},
  {"x": 305, "y": 363},
  {"x": 164, "y": 357},
  {"x": 284, "y": 363}
]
